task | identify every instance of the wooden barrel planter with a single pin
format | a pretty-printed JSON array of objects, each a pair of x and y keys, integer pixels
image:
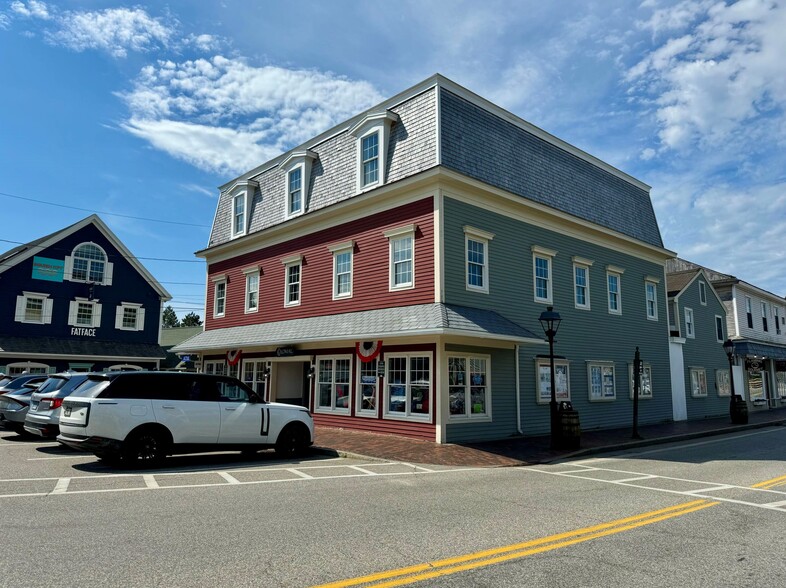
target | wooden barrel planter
[
  {"x": 570, "y": 428},
  {"x": 739, "y": 410}
]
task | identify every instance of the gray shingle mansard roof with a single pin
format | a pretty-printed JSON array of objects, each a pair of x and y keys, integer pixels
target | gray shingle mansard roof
[
  {"x": 407, "y": 321},
  {"x": 441, "y": 124}
]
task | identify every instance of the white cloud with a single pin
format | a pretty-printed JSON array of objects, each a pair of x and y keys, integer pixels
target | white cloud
[
  {"x": 116, "y": 31},
  {"x": 225, "y": 115},
  {"x": 722, "y": 79},
  {"x": 33, "y": 9}
]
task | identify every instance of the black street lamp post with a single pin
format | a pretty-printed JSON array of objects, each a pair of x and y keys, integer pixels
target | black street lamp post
[
  {"x": 550, "y": 322},
  {"x": 738, "y": 410}
]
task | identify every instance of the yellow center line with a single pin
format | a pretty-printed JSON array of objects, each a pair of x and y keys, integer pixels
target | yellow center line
[
  {"x": 767, "y": 484},
  {"x": 487, "y": 557}
]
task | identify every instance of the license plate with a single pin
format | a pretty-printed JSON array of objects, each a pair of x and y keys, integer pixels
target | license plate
[{"x": 66, "y": 411}]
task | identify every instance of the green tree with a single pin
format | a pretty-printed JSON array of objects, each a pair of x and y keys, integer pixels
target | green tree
[
  {"x": 191, "y": 320},
  {"x": 169, "y": 318}
]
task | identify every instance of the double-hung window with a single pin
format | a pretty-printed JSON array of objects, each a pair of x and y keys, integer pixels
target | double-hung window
[
  {"x": 369, "y": 152},
  {"x": 295, "y": 192},
  {"x": 476, "y": 244},
  {"x": 130, "y": 316},
  {"x": 33, "y": 307},
  {"x": 408, "y": 385},
  {"x": 333, "y": 384},
  {"x": 252, "y": 289},
  {"x": 342, "y": 269},
  {"x": 702, "y": 293},
  {"x": 749, "y": 311},
  {"x": 84, "y": 313},
  {"x": 777, "y": 312},
  {"x": 88, "y": 263},
  {"x": 541, "y": 269},
  {"x": 689, "y": 325},
  {"x": 614, "y": 289},
  {"x": 469, "y": 390},
  {"x": 698, "y": 382},
  {"x": 239, "y": 215},
  {"x": 601, "y": 381},
  {"x": 293, "y": 275},
  {"x": 219, "y": 295},
  {"x": 297, "y": 178},
  {"x": 764, "y": 314},
  {"x": 651, "y": 297},
  {"x": 719, "y": 328},
  {"x": 373, "y": 135},
  {"x": 581, "y": 284},
  {"x": 402, "y": 257}
]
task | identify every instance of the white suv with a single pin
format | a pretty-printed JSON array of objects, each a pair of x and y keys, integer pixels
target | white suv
[{"x": 145, "y": 416}]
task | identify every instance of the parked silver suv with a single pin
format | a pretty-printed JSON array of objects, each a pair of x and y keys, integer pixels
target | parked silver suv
[
  {"x": 43, "y": 416},
  {"x": 144, "y": 416}
]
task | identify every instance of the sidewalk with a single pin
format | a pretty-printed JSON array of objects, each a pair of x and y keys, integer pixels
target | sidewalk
[{"x": 524, "y": 451}]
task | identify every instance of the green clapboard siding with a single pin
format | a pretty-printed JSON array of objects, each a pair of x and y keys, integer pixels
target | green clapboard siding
[
  {"x": 593, "y": 335},
  {"x": 703, "y": 350}
]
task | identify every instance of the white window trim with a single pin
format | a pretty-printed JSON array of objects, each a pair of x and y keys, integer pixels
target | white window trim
[
  {"x": 291, "y": 261},
  {"x": 685, "y": 313},
  {"x": 702, "y": 293},
  {"x": 643, "y": 396},
  {"x": 601, "y": 365},
  {"x": 539, "y": 390},
  {"x": 303, "y": 160},
  {"x": 46, "y": 308},
  {"x": 406, "y": 416},
  {"x": 236, "y": 198},
  {"x": 480, "y": 236},
  {"x": 723, "y": 393},
  {"x": 698, "y": 371},
  {"x": 649, "y": 282},
  {"x": 585, "y": 264},
  {"x": 216, "y": 281},
  {"x": 73, "y": 308},
  {"x": 251, "y": 273},
  {"x": 394, "y": 235},
  {"x": 723, "y": 328},
  {"x": 379, "y": 122},
  {"x": 616, "y": 272},
  {"x": 68, "y": 267},
  {"x": 140, "y": 316},
  {"x": 548, "y": 255},
  {"x": 241, "y": 189},
  {"x": 332, "y": 409},
  {"x": 337, "y": 249},
  {"x": 480, "y": 418}
]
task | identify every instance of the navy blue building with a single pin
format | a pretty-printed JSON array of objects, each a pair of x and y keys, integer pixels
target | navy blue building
[{"x": 78, "y": 300}]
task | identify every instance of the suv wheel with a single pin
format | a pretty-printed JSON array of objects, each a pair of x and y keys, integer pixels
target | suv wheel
[
  {"x": 293, "y": 440},
  {"x": 145, "y": 447}
]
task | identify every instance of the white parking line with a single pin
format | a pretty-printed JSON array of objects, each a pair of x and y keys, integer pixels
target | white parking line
[
  {"x": 62, "y": 486},
  {"x": 150, "y": 481},
  {"x": 229, "y": 478}
]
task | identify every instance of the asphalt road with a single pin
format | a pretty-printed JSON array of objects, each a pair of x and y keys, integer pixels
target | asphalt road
[{"x": 708, "y": 512}]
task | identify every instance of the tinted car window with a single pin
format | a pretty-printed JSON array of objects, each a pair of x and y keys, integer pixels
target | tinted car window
[
  {"x": 91, "y": 388},
  {"x": 4, "y": 381},
  {"x": 52, "y": 384},
  {"x": 232, "y": 391}
]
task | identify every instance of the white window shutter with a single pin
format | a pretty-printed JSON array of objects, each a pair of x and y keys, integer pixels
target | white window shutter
[
  {"x": 96, "y": 315},
  {"x": 68, "y": 268},
  {"x": 19, "y": 315},
  {"x": 108, "y": 273},
  {"x": 140, "y": 319},
  {"x": 48, "y": 304},
  {"x": 72, "y": 313},
  {"x": 119, "y": 317}
]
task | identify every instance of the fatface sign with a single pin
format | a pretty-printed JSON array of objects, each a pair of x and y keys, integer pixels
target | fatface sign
[{"x": 83, "y": 332}]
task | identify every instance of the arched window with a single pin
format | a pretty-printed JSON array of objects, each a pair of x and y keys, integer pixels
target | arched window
[{"x": 88, "y": 263}]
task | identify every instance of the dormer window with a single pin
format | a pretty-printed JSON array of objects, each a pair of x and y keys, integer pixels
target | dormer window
[
  {"x": 242, "y": 195},
  {"x": 373, "y": 136},
  {"x": 297, "y": 170},
  {"x": 88, "y": 263}
]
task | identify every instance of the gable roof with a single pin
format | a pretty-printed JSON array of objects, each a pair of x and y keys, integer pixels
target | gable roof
[
  {"x": 27, "y": 250},
  {"x": 679, "y": 282},
  {"x": 717, "y": 278}
]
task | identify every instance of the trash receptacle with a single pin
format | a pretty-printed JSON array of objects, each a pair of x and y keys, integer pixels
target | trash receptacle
[
  {"x": 739, "y": 410},
  {"x": 570, "y": 427}
]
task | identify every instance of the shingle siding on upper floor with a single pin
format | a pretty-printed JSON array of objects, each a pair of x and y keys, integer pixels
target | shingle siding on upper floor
[
  {"x": 482, "y": 145},
  {"x": 411, "y": 149}
]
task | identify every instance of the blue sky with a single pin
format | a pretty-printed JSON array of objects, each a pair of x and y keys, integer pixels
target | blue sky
[{"x": 139, "y": 111}]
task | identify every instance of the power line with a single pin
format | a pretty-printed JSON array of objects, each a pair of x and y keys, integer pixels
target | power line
[
  {"x": 125, "y": 256},
  {"x": 152, "y": 220}
]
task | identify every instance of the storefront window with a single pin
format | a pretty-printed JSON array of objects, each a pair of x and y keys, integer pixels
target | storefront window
[
  {"x": 254, "y": 377},
  {"x": 561, "y": 374},
  {"x": 468, "y": 390},
  {"x": 333, "y": 390},
  {"x": 408, "y": 388},
  {"x": 368, "y": 387}
]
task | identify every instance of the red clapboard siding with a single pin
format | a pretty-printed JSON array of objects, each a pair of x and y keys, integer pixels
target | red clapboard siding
[
  {"x": 402, "y": 428},
  {"x": 370, "y": 281}
]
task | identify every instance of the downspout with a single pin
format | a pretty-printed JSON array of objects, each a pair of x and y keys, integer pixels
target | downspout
[{"x": 518, "y": 394}]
